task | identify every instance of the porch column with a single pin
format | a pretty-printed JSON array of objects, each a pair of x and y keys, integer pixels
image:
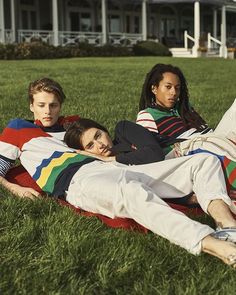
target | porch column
[
  {"x": 13, "y": 22},
  {"x": 144, "y": 19},
  {"x": 2, "y": 22},
  {"x": 55, "y": 22},
  {"x": 223, "y": 48},
  {"x": 104, "y": 21},
  {"x": 215, "y": 23},
  {"x": 196, "y": 28}
]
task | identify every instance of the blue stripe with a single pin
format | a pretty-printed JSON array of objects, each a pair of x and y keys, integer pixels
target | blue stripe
[
  {"x": 20, "y": 124},
  {"x": 45, "y": 163},
  {"x": 197, "y": 151}
]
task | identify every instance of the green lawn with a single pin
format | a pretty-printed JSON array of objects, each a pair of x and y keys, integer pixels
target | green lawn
[{"x": 46, "y": 248}]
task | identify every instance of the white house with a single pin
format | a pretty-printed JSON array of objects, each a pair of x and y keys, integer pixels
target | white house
[{"x": 185, "y": 23}]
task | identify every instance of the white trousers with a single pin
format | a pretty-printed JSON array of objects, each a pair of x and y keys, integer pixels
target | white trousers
[
  {"x": 117, "y": 190},
  {"x": 228, "y": 122},
  {"x": 219, "y": 142}
]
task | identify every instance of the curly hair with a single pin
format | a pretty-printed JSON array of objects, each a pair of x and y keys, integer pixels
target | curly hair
[{"x": 190, "y": 117}]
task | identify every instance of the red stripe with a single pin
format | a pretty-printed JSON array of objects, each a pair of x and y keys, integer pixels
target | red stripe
[
  {"x": 176, "y": 123},
  {"x": 166, "y": 120},
  {"x": 143, "y": 112},
  {"x": 232, "y": 176},
  {"x": 145, "y": 120},
  {"x": 18, "y": 137},
  {"x": 226, "y": 162},
  {"x": 176, "y": 131}
]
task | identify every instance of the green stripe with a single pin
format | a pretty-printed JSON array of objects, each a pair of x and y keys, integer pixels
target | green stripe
[
  {"x": 230, "y": 167},
  {"x": 49, "y": 186}
]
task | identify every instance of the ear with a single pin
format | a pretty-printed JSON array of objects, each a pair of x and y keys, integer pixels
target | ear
[
  {"x": 154, "y": 89},
  {"x": 31, "y": 108}
]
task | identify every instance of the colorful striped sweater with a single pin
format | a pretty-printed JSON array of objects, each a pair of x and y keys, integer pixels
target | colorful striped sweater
[
  {"x": 47, "y": 159},
  {"x": 162, "y": 121}
]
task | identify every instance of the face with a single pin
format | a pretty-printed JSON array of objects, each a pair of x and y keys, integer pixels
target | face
[
  {"x": 45, "y": 108},
  {"x": 168, "y": 90},
  {"x": 96, "y": 141}
]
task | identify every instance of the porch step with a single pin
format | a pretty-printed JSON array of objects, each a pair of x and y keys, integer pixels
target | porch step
[
  {"x": 213, "y": 53},
  {"x": 180, "y": 52}
]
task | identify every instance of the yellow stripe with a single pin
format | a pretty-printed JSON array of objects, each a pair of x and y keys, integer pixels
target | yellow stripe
[{"x": 46, "y": 171}]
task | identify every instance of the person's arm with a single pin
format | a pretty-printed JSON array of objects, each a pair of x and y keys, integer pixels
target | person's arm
[
  {"x": 144, "y": 147},
  {"x": 9, "y": 152},
  {"x": 17, "y": 190},
  {"x": 146, "y": 120},
  {"x": 23, "y": 192}
]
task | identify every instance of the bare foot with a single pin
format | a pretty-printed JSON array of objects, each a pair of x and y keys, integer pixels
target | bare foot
[{"x": 226, "y": 251}]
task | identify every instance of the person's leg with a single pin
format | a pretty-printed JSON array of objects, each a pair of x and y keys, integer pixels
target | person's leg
[
  {"x": 113, "y": 191},
  {"x": 220, "y": 212},
  {"x": 228, "y": 122},
  {"x": 201, "y": 173}
]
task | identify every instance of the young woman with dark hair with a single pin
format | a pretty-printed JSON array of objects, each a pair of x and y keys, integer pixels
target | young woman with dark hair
[{"x": 132, "y": 143}]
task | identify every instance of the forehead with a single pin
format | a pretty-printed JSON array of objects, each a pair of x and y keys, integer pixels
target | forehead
[
  {"x": 45, "y": 97},
  {"x": 170, "y": 78},
  {"x": 88, "y": 136}
]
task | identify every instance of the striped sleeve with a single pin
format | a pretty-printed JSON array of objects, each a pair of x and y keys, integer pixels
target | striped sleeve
[
  {"x": 146, "y": 120},
  {"x": 5, "y": 165}
]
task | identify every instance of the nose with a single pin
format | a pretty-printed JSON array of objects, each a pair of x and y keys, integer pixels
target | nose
[
  {"x": 100, "y": 144},
  {"x": 47, "y": 109},
  {"x": 173, "y": 91}
]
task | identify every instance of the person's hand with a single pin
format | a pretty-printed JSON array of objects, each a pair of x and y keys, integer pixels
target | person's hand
[
  {"x": 26, "y": 192},
  {"x": 19, "y": 191},
  {"x": 99, "y": 157},
  {"x": 23, "y": 192},
  {"x": 232, "y": 194}
]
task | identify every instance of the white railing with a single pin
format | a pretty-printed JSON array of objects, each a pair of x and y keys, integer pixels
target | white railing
[
  {"x": 74, "y": 38},
  {"x": 34, "y": 35},
  {"x": 9, "y": 36},
  {"x": 186, "y": 38},
  {"x": 95, "y": 38},
  {"x": 210, "y": 40},
  {"x": 124, "y": 39}
]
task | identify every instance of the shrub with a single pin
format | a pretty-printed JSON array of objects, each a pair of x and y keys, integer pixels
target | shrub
[
  {"x": 110, "y": 50},
  {"x": 34, "y": 50},
  {"x": 144, "y": 48}
]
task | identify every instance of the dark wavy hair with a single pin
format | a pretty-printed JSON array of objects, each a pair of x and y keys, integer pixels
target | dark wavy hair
[
  {"x": 190, "y": 117},
  {"x": 76, "y": 130}
]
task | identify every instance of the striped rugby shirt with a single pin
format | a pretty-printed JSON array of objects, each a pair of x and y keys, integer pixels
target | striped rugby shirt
[
  {"x": 47, "y": 159},
  {"x": 159, "y": 120}
]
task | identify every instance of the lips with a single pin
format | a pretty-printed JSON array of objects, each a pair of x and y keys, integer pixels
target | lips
[
  {"x": 106, "y": 150},
  {"x": 172, "y": 100}
]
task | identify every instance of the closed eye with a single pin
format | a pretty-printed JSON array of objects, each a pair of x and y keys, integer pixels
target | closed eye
[
  {"x": 97, "y": 135},
  {"x": 89, "y": 146}
]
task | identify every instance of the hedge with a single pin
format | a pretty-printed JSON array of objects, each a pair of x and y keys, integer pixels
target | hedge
[{"x": 38, "y": 50}]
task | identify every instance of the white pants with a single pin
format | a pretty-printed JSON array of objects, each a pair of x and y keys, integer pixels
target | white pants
[
  {"x": 117, "y": 190},
  {"x": 228, "y": 122},
  {"x": 219, "y": 142}
]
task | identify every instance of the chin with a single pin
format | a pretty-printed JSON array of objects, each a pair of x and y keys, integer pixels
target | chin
[{"x": 48, "y": 124}]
